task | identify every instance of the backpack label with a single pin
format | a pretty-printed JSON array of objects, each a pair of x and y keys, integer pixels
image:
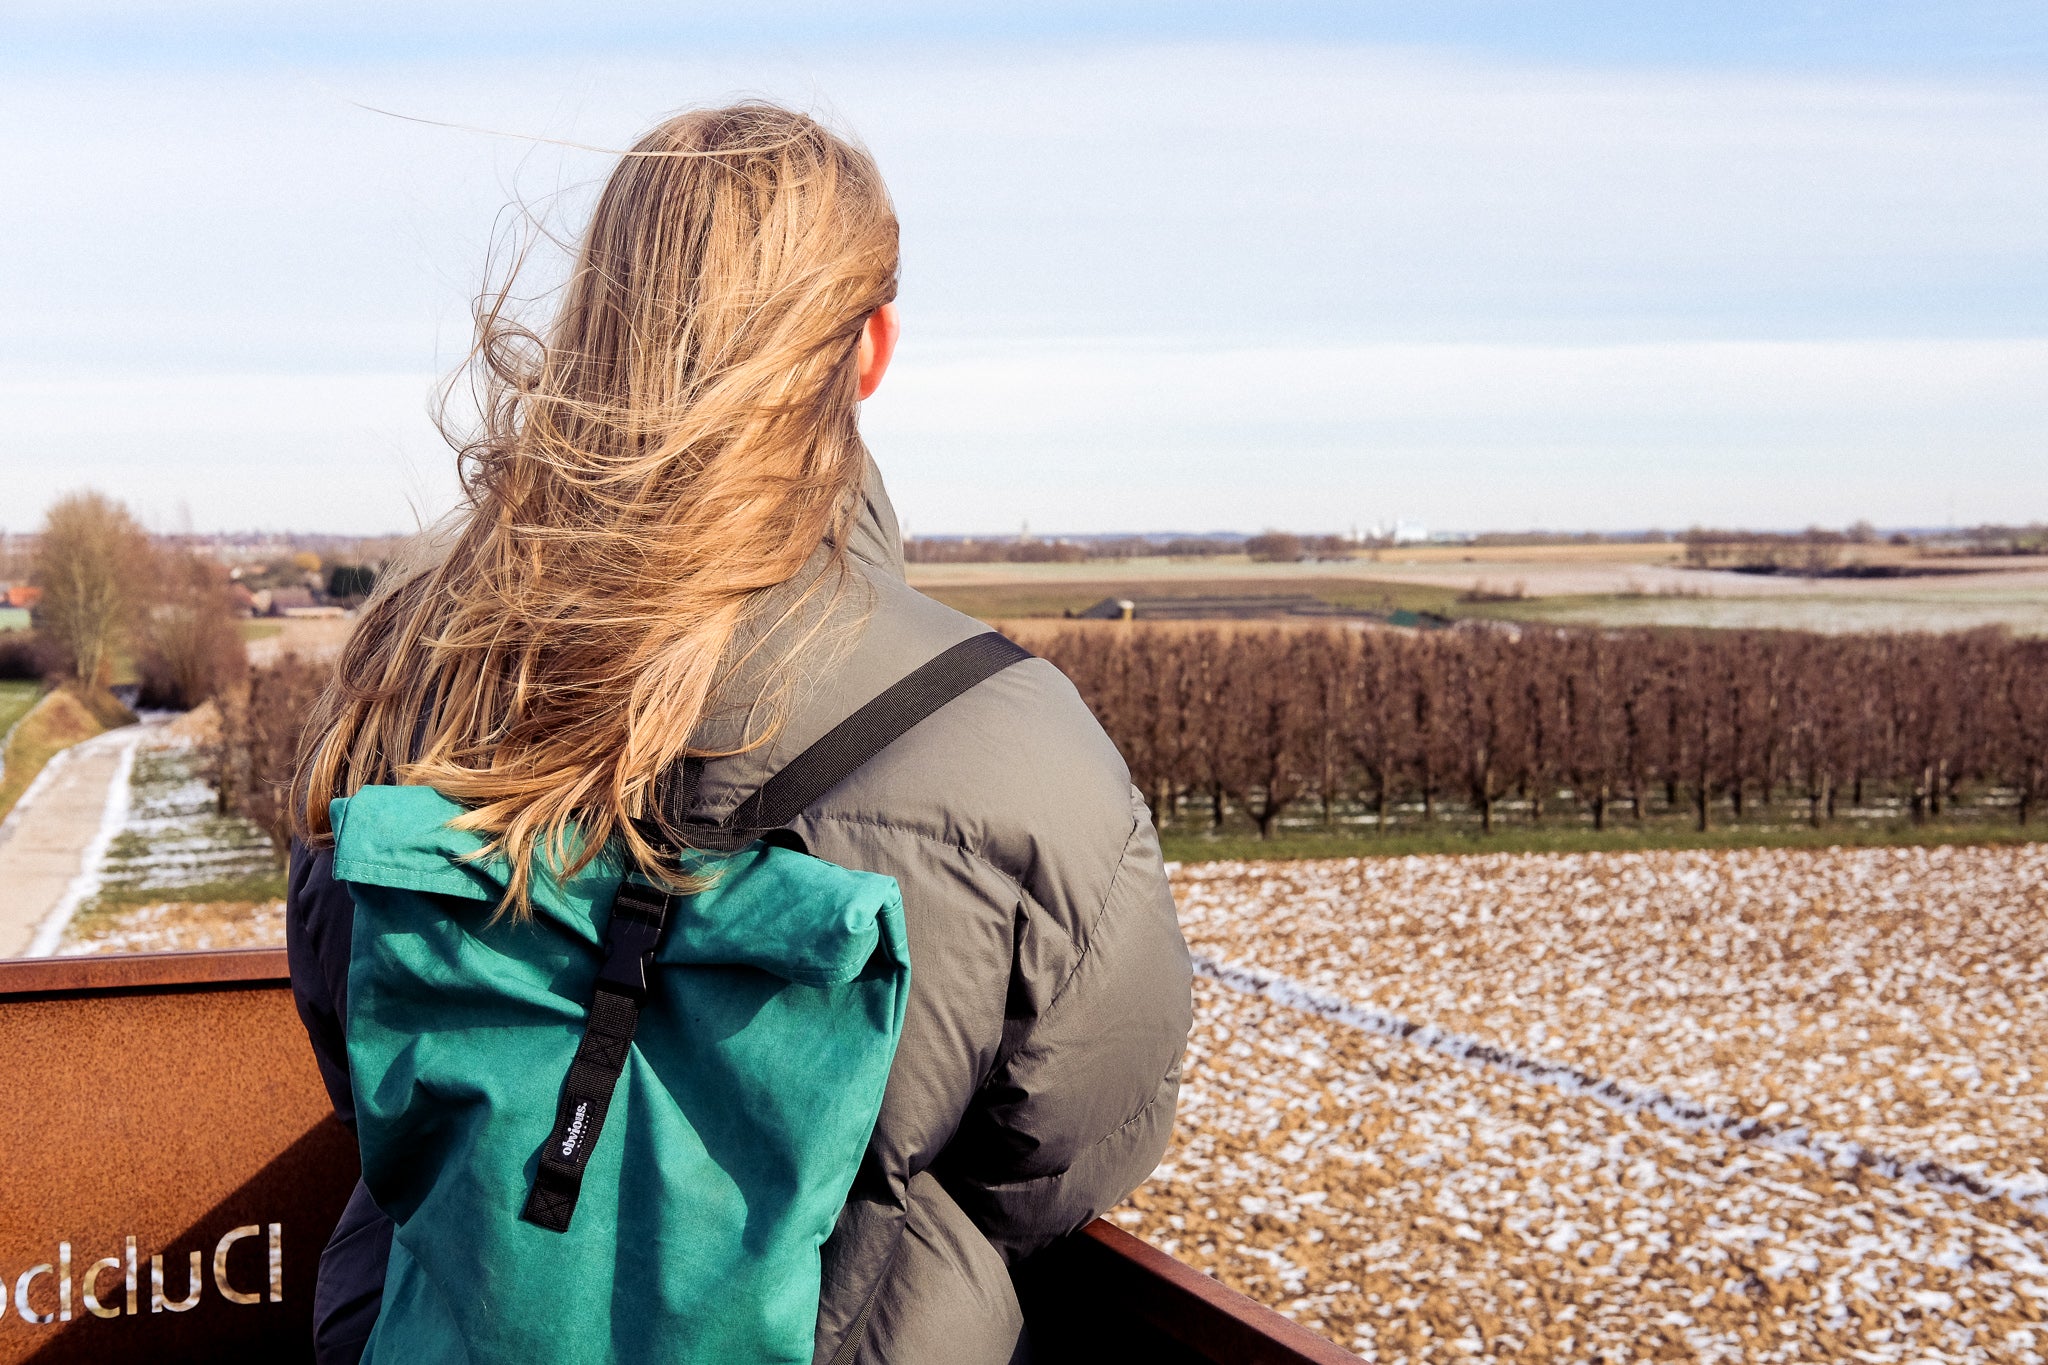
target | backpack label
[{"x": 578, "y": 1125}]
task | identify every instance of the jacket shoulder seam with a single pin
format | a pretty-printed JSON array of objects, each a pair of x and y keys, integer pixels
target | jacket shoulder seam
[
  {"x": 1009, "y": 879},
  {"x": 1087, "y": 945}
]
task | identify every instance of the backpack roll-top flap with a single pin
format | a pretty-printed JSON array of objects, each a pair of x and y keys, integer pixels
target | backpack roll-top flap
[
  {"x": 404, "y": 838},
  {"x": 768, "y": 908},
  {"x": 788, "y": 913}
]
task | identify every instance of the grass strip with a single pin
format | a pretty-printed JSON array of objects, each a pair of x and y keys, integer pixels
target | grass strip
[
  {"x": 253, "y": 886},
  {"x": 1193, "y": 847},
  {"x": 17, "y": 699},
  {"x": 60, "y": 720},
  {"x": 1052, "y": 598}
]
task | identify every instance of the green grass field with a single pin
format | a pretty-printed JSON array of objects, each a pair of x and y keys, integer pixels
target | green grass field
[
  {"x": 1052, "y": 597},
  {"x": 15, "y": 700},
  {"x": 254, "y": 886},
  {"x": 59, "y": 721},
  {"x": 1191, "y": 846}
]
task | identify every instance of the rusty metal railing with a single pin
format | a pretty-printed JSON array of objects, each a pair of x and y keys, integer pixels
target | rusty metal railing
[{"x": 170, "y": 1169}]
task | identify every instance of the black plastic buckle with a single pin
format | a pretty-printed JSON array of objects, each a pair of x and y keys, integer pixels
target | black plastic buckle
[{"x": 630, "y": 937}]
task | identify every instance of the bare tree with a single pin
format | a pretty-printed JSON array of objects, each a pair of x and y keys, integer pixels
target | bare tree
[
  {"x": 1273, "y": 745},
  {"x": 1371, "y": 732},
  {"x": 93, "y": 567},
  {"x": 191, "y": 645},
  {"x": 2024, "y": 687},
  {"x": 1480, "y": 710}
]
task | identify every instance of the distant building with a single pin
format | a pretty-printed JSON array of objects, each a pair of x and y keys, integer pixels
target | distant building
[
  {"x": 22, "y": 595},
  {"x": 1263, "y": 607},
  {"x": 285, "y": 601},
  {"x": 1251, "y": 608}
]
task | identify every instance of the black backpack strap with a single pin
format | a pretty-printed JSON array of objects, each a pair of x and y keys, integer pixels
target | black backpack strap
[
  {"x": 631, "y": 934},
  {"x": 873, "y": 728},
  {"x": 640, "y": 911}
]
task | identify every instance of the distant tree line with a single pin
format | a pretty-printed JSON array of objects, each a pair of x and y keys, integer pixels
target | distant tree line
[
  {"x": 1284, "y": 547},
  {"x": 1814, "y": 551},
  {"x": 2031, "y": 539},
  {"x": 1009, "y": 550},
  {"x": 1606, "y": 725},
  {"x": 1028, "y": 550}
]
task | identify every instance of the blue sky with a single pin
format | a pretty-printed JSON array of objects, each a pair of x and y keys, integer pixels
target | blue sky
[{"x": 1190, "y": 266}]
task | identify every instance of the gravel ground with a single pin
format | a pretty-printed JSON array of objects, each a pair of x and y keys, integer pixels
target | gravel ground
[
  {"x": 1415, "y": 1208},
  {"x": 1477, "y": 1189},
  {"x": 181, "y": 927},
  {"x": 1894, "y": 996}
]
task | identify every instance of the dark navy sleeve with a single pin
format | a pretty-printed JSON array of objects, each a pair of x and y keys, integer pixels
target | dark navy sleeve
[
  {"x": 350, "y": 1290},
  {"x": 318, "y": 922},
  {"x": 319, "y": 916}
]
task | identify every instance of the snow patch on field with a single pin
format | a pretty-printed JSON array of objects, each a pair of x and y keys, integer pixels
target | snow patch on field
[
  {"x": 1826, "y": 1148},
  {"x": 177, "y": 874},
  {"x": 1745, "y": 1105}
]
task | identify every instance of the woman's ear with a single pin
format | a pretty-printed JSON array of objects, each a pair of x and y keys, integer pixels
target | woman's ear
[{"x": 878, "y": 346}]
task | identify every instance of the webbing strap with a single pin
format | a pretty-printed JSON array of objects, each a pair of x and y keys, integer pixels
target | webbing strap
[
  {"x": 640, "y": 911},
  {"x": 632, "y": 933},
  {"x": 873, "y": 728}
]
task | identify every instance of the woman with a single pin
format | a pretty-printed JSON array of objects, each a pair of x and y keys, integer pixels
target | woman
[{"x": 675, "y": 547}]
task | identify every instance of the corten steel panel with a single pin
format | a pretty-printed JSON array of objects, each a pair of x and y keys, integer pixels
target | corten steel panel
[{"x": 171, "y": 1099}]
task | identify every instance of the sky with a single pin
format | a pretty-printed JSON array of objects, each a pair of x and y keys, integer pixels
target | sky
[{"x": 1482, "y": 264}]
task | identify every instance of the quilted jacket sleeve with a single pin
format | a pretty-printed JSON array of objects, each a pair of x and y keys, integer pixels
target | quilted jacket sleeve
[{"x": 1080, "y": 1106}]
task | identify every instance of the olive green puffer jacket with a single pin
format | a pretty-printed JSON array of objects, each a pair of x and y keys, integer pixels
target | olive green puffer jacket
[{"x": 1034, "y": 1086}]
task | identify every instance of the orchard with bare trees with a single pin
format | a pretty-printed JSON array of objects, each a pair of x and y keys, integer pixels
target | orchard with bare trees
[
  {"x": 1386, "y": 727},
  {"x": 250, "y": 761}
]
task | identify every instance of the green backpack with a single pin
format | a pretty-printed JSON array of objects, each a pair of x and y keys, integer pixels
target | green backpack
[{"x": 712, "y": 1066}]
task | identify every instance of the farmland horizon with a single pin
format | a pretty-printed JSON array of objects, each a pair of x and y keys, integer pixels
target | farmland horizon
[{"x": 181, "y": 524}]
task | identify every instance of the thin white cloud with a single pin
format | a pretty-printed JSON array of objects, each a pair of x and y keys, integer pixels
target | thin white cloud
[
  {"x": 1094, "y": 438},
  {"x": 1089, "y": 436},
  {"x": 337, "y": 452},
  {"x": 1480, "y": 291}
]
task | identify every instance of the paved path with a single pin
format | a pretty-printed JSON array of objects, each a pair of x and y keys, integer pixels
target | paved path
[{"x": 52, "y": 842}]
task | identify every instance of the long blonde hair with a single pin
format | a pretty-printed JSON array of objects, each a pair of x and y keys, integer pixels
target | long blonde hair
[{"x": 679, "y": 440}]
